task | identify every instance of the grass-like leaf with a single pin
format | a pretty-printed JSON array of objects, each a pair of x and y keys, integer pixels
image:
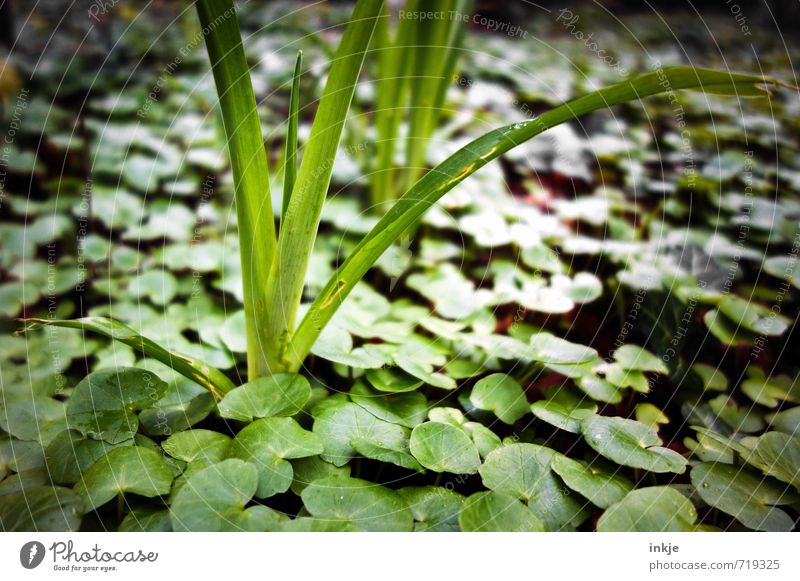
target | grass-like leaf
[
  {"x": 249, "y": 163},
  {"x": 391, "y": 87},
  {"x": 415, "y": 69},
  {"x": 434, "y": 57},
  {"x": 290, "y": 154},
  {"x": 209, "y": 377},
  {"x": 299, "y": 226},
  {"x": 481, "y": 151}
]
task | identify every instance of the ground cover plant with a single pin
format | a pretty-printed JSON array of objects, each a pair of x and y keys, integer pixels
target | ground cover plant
[{"x": 219, "y": 320}]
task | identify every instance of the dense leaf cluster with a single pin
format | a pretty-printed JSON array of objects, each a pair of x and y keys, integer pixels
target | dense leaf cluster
[{"x": 538, "y": 360}]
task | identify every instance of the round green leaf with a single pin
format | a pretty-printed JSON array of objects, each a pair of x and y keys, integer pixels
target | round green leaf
[
  {"x": 549, "y": 349},
  {"x": 18, "y": 456},
  {"x": 778, "y": 455},
  {"x": 600, "y": 487},
  {"x": 95, "y": 248},
  {"x": 214, "y": 500},
  {"x": 564, "y": 418},
  {"x": 103, "y": 403},
  {"x": 630, "y": 443},
  {"x": 307, "y": 470},
  {"x": 523, "y": 471},
  {"x": 713, "y": 379},
  {"x": 336, "y": 344},
  {"x": 517, "y": 470},
  {"x": 631, "y": 356},
  {"x": 184, "y": 404},
  {"x": 654, "y": 509},
  {"x": 745, "y": 497},
  {"x": 406, "y": 409},
  {"x": 485, "y": 439},
  {"x": 309, "y": 524},
  {"x": 787, "y": 421},
  {"x": 127, "y": 469},
  {"x": 435, "y": 508},
  {"x": 444, "y": 448},
  {"x": 650, "y": 415},
  {"x": 146, "y": 521},
  {"x": 770, "y": 391},
  {"x": 583, "y": 288},
  {"x": 193, "y": 444},
  {"x": 364, "y": 505},
  {"x": 462, "y": 368},
  {"x": 157, "y": 285},
  {"x": 344, "y": 425},
  {"x": 721, "y": 447},
  {"x": 282, "y": 394},
  {"x": 541, "y": 257},
  {"x": 45, "y": 509},
  {"x": 739, "y": 419},
  {"x": 622, "y": 378},
  {"x": 144, "y": 172},
  {"x": 25, "y": 481},
  {"x": 447, "y": 415},
  {"x": 36, "y": 418},
  {"x": 383, "y": 453},
  {"x": 752, "y": 316},
  {"x": 70, "y": 454},
  {"x": 783, "y": 267},
  {"x": 502, "y": 395},
  {"x": 727, "y": 331},
  {"x": 599, "y": 389},
  {"x": 421, "y": 358},
  {"x": 495, "y": 512},
  {"x": 267, "y": 444},
  {"x": 392, "y": 380}
]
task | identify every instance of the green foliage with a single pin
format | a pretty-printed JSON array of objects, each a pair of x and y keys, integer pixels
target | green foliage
[
  {"x": 745, "y": 497},
  {"x": 777, "y": 454},
  {"x": 347, "y": 427},
  {"x": 488, "y": 512},
  {"x": 416, "y": 66},
  {"x": 103, "y": 404},
  {"x": 435, "y": 509},
  {"x": 600, "y": 486},
  {"x": 128, "y": 469},
  {"x": 502, "y": 395},
  {"x": 444, "y": 448},
  {"x": 284, "y": 290},
  {"x": 268, "y": 444},
  {"x": 524, "y": 471},
  {"x": 282, "y": 394},
  {"x": 45, "y": 509},
  {"x": 214, "y": 500},
  {"x": 630, "y": 443},
  {"x": 290, "y": 153},
  {"x": 212, "y": 379},
  {"x": 257, "y": 241},
  {"x": 534, "y": 361},
  {"x": 357, "y": 504},
  {"x": 657, "y": 508}
]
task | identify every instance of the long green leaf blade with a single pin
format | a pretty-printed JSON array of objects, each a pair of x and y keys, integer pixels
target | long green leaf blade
[
  {"x": 391, "y": 88},
  {"x": 434, "y": 57},
  {"x": 299, "y": 227},
  {"x": 290, "y": 154},
  {"x": 481, "y": 151},
  {"x": 249, "y": 163},
  {"x": 209, "y": 377},
  {"x": 454, "y": 43}
]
